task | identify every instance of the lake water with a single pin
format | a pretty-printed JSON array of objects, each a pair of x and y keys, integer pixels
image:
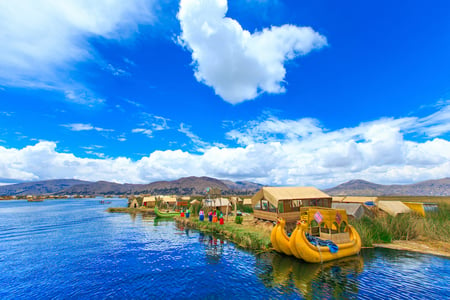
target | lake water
[{"x": 64, "y": 249}]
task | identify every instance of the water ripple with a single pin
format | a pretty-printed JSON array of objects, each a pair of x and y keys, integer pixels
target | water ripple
[{"x": 74, "y": 249}]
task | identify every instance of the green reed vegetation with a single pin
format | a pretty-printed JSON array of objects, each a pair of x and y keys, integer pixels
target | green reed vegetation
[
  {"x": 248, "y": 237},
  {"x": 385, "y": 229}
]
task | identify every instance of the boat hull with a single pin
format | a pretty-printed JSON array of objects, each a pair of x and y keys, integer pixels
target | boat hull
[
  {"x": 318, "y": 254},
  {"x": 279, "y": 238}
]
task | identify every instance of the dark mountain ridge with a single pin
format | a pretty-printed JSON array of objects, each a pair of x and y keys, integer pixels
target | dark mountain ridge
[
  {"x": 197, "y": 186},
  {"x": 39, "y": 187},
  {"x": 183, "y": 186}
]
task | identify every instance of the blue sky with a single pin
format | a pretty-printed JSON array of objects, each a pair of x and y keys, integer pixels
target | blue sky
[{"x": 276, "y": 92}]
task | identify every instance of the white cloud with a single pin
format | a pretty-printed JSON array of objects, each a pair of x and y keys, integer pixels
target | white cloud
[
  {"x": 272, "y": 151},
  {"x": 147, "y": 132},
  {"x": 156, "y": 123},
  {"x": 115, "y": 70},
  {"x": 84, "y": 127},
  {"x": 81, "y": 95},
  {"x": 437, "y": 123},
  {"x": 237, "y": 64},
  {"x": 42, "y": 40},
  {"x": 186, "y": 130},
  {"x": 134, "y": 103}
]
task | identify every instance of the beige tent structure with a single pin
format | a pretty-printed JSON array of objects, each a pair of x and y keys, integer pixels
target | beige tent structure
[
  {"x": 393, "y": 207},
  {"x": 194, "y": 202},
  {"x": 269, "y": 203},
  {"x": 185, "y": 198},
  {"x": 354, "y": 210},
  {"x": 149, "y": 201},
  {"x": 356, "y": 199},
  {"x": 133, "y": 203},
  {"x": 247, "y": 201},
  {"x": 219, "y": 203},
  {"x": 167, "y": 200}
]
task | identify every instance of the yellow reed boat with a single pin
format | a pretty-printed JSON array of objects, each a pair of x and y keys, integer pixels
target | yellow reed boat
[
  {"x": 279, "y": 238},
  {"x": 317, "y": 227},
  {"x": 321, "y": 235}
]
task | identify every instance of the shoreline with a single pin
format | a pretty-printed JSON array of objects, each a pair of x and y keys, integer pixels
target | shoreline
[
  {"x": 243, "y": 235},
  {"x": 437, "y": 248},
  {"x": 256, "y": 237}
]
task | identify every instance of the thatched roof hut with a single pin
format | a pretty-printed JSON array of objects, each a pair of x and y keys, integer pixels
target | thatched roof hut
[
  {"x": 149, "y": 201},
  {"x": 269, "y": 203}
]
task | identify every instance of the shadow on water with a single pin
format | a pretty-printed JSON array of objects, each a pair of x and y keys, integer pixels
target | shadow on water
[{"x": 336, "y": 279}]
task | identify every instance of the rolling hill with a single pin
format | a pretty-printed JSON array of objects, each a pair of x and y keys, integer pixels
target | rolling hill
[
  {"x": 183, "y": 186},
  {"x": 439, "y": 187}
]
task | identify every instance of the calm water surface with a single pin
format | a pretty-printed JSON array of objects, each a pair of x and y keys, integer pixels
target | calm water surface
[{"x": 73, "y": 249}]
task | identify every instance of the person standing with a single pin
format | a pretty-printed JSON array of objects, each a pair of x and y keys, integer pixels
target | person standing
[
  {"x": 221, "y": 221},
  {"x": 201, "y": 215},
  {"x": 210, "y": 216}
]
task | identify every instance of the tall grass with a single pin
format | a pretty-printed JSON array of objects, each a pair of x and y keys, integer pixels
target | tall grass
[{"x": 435, "y": 226}]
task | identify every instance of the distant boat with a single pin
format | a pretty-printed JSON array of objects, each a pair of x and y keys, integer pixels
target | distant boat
[
  {"x": 161, "y": 214},
  {"x": 35, "y": 200},
  {"x": 105, "y": 202}
]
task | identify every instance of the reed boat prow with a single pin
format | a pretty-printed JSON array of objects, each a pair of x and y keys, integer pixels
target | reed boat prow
[{"x": 279, "y": 238}]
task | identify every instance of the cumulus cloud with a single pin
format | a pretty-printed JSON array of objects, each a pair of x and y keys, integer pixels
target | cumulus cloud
[
  {"x": 42, "y": 40},
  {"x": 240, "y": 65},
  {"x": 272, "y": 151}
]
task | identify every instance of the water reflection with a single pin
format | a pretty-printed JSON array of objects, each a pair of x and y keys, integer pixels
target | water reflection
[
  {"x": 213, "y": 247},
  {"x": 336, "y": 279},
  {"x": 158, "y": 220}
]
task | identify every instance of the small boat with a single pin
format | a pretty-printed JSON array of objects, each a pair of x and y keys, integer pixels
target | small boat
[
  {"x": 170, "y": 214},
  {"x": 105, "y": 202},
  {"x": 323, "y": 234},
  {"x": 35, "y": 200}
]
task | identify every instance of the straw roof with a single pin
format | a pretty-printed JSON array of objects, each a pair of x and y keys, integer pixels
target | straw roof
[
  {"x": 355, "y": 199},
  {"x": 194, "y": 202},
  {"x": 168, "y": 199},
  {"x": 150, "y": 199},
  {"x": 275, "y": 194},
  {"x": 247, "y": 201},
  {"x": 393, "y": 207}
]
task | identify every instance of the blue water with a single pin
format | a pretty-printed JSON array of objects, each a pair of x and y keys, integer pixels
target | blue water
[{"x": 73, "y": 249}]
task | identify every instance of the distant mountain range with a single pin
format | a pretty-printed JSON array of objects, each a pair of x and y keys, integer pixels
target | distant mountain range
[
  {"x": 439, "y": 187},
  {"x": 182, "y": 186},
  {"x": 198, "y": 185}
]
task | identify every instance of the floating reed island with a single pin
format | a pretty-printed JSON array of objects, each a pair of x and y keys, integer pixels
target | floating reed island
[
  {"x": 420, "y": 224},
  {"x": 248, "y": 235}
]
